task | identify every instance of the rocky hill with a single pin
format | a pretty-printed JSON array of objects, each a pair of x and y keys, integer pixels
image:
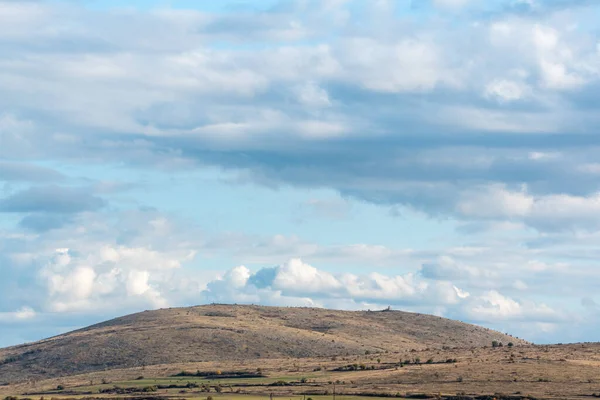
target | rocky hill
[{"x": 233, "y": 332}]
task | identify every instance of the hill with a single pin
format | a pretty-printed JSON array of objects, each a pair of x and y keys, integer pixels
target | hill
[{"x": 232, "y": 332}]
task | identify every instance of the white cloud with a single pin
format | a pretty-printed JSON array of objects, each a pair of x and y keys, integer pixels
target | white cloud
[
  {"x": 312, "y": 95},
  {"x": 493, "y": 306},
  {"x": 495, "y": 201},
  {"x": 297, "y": 283},
  {"x": 22, "y": 314},
  {"x": 453, "y": 4},
  {"x": 505, "y": 90}
]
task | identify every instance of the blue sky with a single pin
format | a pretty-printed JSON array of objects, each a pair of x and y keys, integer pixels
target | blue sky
[{"x": 437, "y": 156}]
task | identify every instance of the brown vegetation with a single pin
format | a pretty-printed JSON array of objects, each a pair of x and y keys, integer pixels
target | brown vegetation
[{"x": 226, "y": 332}]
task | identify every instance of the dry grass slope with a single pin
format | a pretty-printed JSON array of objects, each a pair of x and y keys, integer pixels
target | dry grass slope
[{"x": 236, "y": 333}]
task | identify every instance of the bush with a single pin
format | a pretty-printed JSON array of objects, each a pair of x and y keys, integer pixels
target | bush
[
  {"x": 139, "y": 378},
  {"x": 430, "y": 361},
  {"x": 60, "y": 387},
  {"x": 510, "y": 344},
  {"x": 209, "y": 398},
  {"x": 459, "y": 379}
]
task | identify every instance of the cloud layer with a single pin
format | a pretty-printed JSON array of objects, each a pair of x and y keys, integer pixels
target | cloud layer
[{"x": 478, "y": 116}]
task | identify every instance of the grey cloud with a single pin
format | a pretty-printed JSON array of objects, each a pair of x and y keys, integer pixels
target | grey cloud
[
  {"x": 51, "y": 199},
  {"x": 44, "y": 222},
  {"x": 12, "y": 171}
]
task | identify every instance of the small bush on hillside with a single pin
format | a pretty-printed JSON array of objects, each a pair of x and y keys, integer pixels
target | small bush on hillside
[
  {"x": 510, "y": 344},
  {"x": 139, "y": 378},
  {"x": 430, "y": 361},
  {"x": 60, "y": 387}
]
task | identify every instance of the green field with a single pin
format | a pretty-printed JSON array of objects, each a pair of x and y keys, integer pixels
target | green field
[{"x": 95, "y": 387}]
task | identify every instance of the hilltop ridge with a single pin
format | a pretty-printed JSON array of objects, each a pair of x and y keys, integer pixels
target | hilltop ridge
[{"x": 235, "y": 332}]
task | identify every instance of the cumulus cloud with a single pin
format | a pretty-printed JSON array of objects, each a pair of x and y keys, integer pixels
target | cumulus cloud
[
  {"x": 493, "y": 306},
  {"x": 125, "y": 260},
  {"x": 303, "y": 284}
]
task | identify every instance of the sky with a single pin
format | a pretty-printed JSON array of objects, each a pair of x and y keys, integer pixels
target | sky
[{"x": 435, "y": 156}]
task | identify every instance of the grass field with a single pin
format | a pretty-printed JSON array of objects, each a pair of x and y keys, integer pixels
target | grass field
[{"x": 523, "y": 372}]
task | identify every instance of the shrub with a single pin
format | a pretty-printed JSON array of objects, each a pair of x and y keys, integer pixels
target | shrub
[
  {"x": 459, "y": 379},
  {"x": 139, "y": 378},
  {"x": 60, "y": 387},
  {"x": 303, "y": 380},
  {"x": 209, "y": 398},
  {"x": 510, "y": 344},
  {"x": 430, "y": 361},
  {"x": 494, "y": 343}
]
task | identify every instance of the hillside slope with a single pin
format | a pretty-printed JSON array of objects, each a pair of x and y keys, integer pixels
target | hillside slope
[{"x": 232, "y": 332}]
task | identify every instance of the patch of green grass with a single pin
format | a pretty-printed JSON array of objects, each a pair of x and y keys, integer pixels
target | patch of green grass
[{"x": 184, "y": 380}]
